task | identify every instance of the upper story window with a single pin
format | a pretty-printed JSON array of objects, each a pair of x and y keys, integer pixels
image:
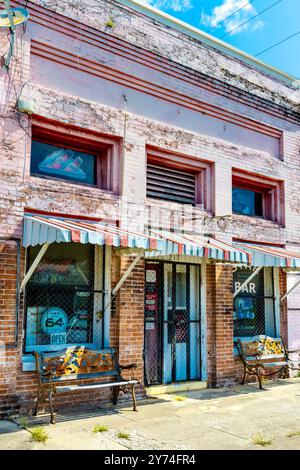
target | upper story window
[
  {"x": 65, "y": 163},
  {"x": 247, "y": 202},
  {"x": 173, "y": 185},
  {"x": 75, "y": 156},
  {"x": 180, "y": 179},
  {"x": 253, "y": 195}
]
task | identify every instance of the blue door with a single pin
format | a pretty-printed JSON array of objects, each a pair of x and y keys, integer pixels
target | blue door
[{"x": 172, "y": 340}]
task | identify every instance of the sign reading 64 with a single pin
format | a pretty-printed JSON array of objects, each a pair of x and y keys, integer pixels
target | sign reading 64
[{"x": 54, "y": 320}]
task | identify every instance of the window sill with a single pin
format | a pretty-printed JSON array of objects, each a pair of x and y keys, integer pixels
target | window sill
[
  {"x": 28, "y": 363},
  {"x": 252, "y": 219},
  {"x": 48, "y": 181}
]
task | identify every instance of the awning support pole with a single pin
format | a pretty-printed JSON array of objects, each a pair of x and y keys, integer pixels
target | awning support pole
[
  {"x": 290, "y": 290},
  {"x": 124, "y": 277},
  {"x": 127, "y": 273},
  {"x": 247, "y": 281},
  {"x": 34, "y": 266}
]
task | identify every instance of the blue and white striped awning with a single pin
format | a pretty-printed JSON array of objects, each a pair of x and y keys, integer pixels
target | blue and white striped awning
[
  {"x": 41, "y": 229},
  {"x": 270, "y": 256}
]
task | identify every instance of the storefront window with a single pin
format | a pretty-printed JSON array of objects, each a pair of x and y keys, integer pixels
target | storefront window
[
  {"x": 61, "y": 297},
  {"x": 254, "y": 305}
]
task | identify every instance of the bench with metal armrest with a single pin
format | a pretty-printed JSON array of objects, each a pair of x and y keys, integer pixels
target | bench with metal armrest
[
  {"x": 80, "y": 363},
  {"x": 263, "y": 352}
]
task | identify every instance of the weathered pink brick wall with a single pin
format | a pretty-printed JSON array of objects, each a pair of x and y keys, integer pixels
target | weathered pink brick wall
[{"x": 70, "y": 95}]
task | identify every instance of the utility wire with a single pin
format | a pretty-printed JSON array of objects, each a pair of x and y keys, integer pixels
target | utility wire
[
  {"x": 250, "y": 19},
  {"x": 277, "y": 43},
  {"x": 232, "y": 14}
]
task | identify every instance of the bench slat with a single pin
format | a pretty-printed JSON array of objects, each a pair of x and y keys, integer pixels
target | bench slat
[
  {"x": 274, "y": 364},
  {"x": 92, "y": 386}
]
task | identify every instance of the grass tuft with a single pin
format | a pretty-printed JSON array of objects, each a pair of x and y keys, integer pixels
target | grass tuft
[
  {"x": 39, "y": 434},
  {"x": 100, "y": 428},
  {"x": 123, "y": 435},
  {"x": 260, "y": 440},
  {"x": 179, "y": 398},
  {"x": 294, "y": 434},
  {"x": 23, "y": 422}
]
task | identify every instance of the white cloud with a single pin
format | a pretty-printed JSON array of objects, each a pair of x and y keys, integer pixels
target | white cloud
[
  {"x": 174, "y": 5},
  {"x": 227, "y": 8}
]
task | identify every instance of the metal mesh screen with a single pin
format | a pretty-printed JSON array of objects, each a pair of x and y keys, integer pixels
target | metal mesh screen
[
  {"x": 64, "y": 301},
  {"x": 172, "y": 332},
  {"x": 254, "y": 309}
]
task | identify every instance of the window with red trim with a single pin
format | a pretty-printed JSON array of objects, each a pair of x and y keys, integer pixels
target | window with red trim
[
  {"x": 179, "y": 178},
  {"x": 77, "y": 156},
  {"x": 256, "y": 196}
]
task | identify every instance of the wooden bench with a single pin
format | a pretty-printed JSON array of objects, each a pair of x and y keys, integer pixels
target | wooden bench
[
  {"x": 79, "y": 363},
  {"x": 261, "y": 353}
]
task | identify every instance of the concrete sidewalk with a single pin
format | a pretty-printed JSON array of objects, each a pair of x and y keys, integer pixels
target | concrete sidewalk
[{"x": 204, "y": 419}]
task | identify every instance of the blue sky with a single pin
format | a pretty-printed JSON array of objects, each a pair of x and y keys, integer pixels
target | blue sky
[{"x": 268, "y": 28}]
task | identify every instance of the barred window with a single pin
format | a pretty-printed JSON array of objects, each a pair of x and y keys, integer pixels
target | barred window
[
  {"x": 64, "y": 298},
  {"x": 254, "y": 306},
  {"x": 179, "y": 178},
  {"x": 170, "y": 184}
]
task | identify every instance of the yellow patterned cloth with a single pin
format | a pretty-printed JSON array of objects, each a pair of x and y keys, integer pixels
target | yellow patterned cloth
[
  {"x": 78, "y": 361},
  {"x": 264, "y": 346}
]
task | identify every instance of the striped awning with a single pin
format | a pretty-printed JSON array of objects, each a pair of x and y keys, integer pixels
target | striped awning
[
  {"x": 195, "y": 245},
  {"x": 40, "y": 229},
  {"x": 270, "y": 256}
]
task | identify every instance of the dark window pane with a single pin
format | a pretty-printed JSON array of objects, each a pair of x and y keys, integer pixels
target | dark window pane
[
  {"x": 258, "y": 204},
  {"x": 246, "y": 202},
  {"x": 249, "y": 304},
  {"x": 50, "y": 160}
]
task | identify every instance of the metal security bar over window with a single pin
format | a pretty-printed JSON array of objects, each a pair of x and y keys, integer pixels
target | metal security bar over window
[
  {"x": 254, "y": 306},
  {"x": 64, "y": 301}
]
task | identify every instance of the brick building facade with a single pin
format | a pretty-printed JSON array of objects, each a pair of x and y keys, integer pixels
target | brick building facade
[{"x": 140, "y": 97}]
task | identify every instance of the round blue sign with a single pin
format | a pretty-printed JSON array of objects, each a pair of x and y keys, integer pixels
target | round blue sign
[{"x": 54, "y": 320}]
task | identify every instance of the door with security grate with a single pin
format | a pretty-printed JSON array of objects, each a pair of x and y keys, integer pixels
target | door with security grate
[{"x": 172, "y": 322}]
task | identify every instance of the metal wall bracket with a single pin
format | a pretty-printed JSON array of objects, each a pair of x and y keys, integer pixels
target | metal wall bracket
[
  {"x": 34, "y": 266},
  {"x": 289, "y": 291}
]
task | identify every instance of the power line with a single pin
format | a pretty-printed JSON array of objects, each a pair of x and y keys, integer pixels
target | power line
[
  {"x": 250, "y": 19},
  {"x": 232, "y": 14},
  {"x": 277, "y": 43}
]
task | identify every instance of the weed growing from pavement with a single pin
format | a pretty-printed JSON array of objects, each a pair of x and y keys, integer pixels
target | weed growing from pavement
[
  {"x": 39, "y": 434},
  {"x": 123, "y": 435},
  {"x": 100, "y": 428},
  {"x": 179, "y": 398},
  {"x": 260, "y": 440},
  {"x": 23, "y": 422}
]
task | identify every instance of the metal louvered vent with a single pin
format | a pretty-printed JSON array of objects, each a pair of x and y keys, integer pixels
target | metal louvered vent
[{"x": 172, "y": 185}]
